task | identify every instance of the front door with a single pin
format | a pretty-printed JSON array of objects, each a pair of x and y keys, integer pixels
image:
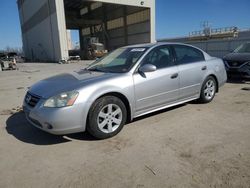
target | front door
[{"x": 159, "y": 88}]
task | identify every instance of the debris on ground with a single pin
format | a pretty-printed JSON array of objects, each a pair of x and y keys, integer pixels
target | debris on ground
[
  {"x": 150, "y": 169},
  {"x": 12, "y": 111},
  {"x": 20, "y": 88},
  {"x": 32, "y": 71},
  {"x": 246, "y": 88},
  {"x": 71, "y": 59}
]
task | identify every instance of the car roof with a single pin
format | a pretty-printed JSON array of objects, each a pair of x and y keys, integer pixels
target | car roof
[{"x": 149, "y": 45}]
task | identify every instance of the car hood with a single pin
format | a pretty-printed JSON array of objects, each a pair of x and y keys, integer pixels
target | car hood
[
  {"x": 67, "y": 82},
  {"x": 242, "y": 57}
]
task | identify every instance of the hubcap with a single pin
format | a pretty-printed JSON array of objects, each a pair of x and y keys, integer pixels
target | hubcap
[
  {"x": 209, "y": 90},
  {"x": 110, "y": 118}
]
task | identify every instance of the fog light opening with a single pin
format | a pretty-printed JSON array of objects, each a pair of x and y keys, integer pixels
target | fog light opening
[{"x": 48, "y": 126}]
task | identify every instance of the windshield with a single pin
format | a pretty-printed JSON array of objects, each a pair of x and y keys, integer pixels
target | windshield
[
  {"x": 244, "y": 48},
  {"x": 118, "y": 61}
]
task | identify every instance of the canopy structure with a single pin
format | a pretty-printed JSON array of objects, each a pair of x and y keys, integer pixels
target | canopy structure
[{"x": 115, "y": 23}]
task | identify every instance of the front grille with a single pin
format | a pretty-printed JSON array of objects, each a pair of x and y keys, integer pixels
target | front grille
[
  {"x": 235, "y": 63},
  {"x": 31, "y": 99}
]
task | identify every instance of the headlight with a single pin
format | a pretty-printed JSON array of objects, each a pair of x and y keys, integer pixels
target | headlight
[{"x": 62, "y": 100}]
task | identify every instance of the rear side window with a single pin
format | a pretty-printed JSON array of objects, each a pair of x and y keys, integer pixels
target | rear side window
[{"x": 187, "y": 54}]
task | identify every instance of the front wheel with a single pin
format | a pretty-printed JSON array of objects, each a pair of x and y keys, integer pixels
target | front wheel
[
  {"x": 107, "y": 117},
  {"x": 208, "y": 90}
]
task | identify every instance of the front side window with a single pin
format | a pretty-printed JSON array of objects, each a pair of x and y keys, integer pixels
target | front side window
[
  {"x": 187, "y": 54},
  {"x": 161, "y": 57},
  {"x": 119, "y": 61}
]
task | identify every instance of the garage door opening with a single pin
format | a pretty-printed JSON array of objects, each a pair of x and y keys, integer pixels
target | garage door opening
[{"x": 105, "y": 26}]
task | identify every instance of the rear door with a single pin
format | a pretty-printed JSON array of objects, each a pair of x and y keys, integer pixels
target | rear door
[
  {"x": 159, "y": 88},
  {"x": 191, "y": 65}
]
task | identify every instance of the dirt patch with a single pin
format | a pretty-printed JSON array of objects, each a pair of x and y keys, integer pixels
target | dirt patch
[
  {"x": 6, "y": 112},
  {"x": 26, "y": 71},
  {"x": 186, "y": 155},
  {"x": 12, "y": 111}
]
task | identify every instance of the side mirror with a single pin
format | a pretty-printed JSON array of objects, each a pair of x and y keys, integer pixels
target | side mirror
[{"x": 147, "y": 68}]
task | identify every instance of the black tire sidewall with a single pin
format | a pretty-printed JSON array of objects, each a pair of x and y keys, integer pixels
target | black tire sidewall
[
  {"x": 203, "y": 99},
  {"x": 92, "y": 126}
]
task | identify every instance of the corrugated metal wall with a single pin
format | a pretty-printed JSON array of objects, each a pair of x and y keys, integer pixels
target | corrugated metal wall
[
  {"x": 125, "y": 25},
  {"x": 137, "y": 28},
  {"x": 217, "y": 48}
]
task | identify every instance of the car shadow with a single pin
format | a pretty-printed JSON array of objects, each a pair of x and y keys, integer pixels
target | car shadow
[{"x": 19, "y": 127}]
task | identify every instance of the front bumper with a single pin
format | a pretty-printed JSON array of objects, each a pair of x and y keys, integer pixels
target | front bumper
[
  {"x": 242, "y": 71},
  {"x": 58, "y": 121}
]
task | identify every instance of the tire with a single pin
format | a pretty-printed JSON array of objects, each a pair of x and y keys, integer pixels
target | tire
[
  {"x": 106, "y": 118},
  {"x": 208, "y": 90}
]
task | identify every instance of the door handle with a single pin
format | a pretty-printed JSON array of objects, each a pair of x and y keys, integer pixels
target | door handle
[
  {"x": 174, "y": 76},
  {"x": 204, "y": 68}
]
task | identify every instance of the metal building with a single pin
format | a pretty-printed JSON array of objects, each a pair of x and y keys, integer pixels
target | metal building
[{"x": 44, "y": 24}]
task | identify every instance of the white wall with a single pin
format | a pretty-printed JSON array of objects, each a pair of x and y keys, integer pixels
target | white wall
[
  {"x": 30, "y": 7},
  {"x": 40, "y": 42},
  {"x": 45, "y": 41},
  {"x": 152, "y": 12},
  {"x": 147, "y": 3},
  {"x": 61, "y": 30}
]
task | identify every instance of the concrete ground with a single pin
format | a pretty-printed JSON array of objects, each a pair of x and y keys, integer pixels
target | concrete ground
[{"x": 191, "y": 145}]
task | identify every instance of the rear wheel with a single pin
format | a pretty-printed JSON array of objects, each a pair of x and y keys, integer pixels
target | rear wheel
[
  {"x": 107, "y": 117},
  {"x": 208, "y": 90}
]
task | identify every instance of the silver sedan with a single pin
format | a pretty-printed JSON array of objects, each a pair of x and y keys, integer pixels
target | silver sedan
[{"x": 129, "y": 82}]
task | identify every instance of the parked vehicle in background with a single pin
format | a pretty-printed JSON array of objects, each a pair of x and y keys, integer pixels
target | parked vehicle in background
[
  {"x": 3, "y": 56},
  {"x": 238, "y": 62},
  {"x": 129, "y": 82},
  {"x": 93, "y": 49},
  {"x": 8, "y": 61}
]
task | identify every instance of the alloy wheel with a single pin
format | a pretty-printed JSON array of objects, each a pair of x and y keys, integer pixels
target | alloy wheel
[
  {"x": 209, "y": 89},
  {"x": 109, "y": 118}
]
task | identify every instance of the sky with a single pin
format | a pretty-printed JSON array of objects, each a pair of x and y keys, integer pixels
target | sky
[{"x": 174, "y": 18}]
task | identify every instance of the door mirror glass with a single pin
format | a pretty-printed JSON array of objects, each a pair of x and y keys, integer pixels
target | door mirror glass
[{"x": 147, "y": 68}]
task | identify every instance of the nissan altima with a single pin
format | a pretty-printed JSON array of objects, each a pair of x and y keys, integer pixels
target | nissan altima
[{"x": 127, "y": 83}]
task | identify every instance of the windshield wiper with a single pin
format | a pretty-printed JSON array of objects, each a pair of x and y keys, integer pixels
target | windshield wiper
[
  {"x": 96, "y": 70},
  {"x": 85, "y": 69}
]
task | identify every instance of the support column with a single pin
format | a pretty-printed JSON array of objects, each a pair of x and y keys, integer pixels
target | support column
[
  {"x": 81, "y": 39},
  {"x": 104, "y": 26},
  {"x": 125, "y": 25}
]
